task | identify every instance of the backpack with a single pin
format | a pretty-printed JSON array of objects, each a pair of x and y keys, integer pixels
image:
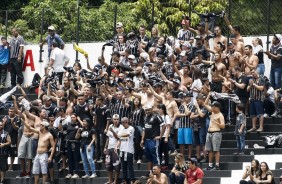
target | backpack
[{"x": 273, "y": 141}]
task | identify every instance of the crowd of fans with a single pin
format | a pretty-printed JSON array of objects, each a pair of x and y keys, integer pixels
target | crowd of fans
[{"x": 155, "y": 95}]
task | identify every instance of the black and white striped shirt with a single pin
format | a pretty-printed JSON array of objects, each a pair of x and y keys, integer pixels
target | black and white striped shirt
[
  {"x": 137, "y": 117},
  {"x": 256, "y": 94},
  {"x": 185, "y": 121},
  {"x": 15, "y": 44}
]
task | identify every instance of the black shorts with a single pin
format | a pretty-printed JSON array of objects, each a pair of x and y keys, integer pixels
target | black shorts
[
  {"x": 12, "y": 150},
  {"x": 4, "y": 162}
]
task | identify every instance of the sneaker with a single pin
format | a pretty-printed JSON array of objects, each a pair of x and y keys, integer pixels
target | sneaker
[
  {"x": 241, "y": 153},
  {"x": 236, "y": 153},
  {"x": 163, "y": 162},
  {"x": 68, "y": 176},
  {"x": 139, "y": 161},
  {"x": 265, "y": 115},
  {"x": 85, "y": 176},
  {"x": 260, "y": 130},
  {"x": 174, "y": 153},
  {"x": 252, "y": 130},
  {"x": 216, "y": 168},
  {"x": 209, "y": 168},
  {"x": 94, "y": 175},
  {"x": 23, "y": 174},
  {"x": 100, "y": 161},
  {"x": 75, "y": 176},
  {"x": 274, "y": 114},
  {"x": 27, "y": 175}
]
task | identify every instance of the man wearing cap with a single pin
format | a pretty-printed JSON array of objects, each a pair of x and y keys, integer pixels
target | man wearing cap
[
  {"x": 275, "y": 54},
  {"x": 4, "y": 60},
  {"x": 214, "y": 135},
  {"x": 194, "y": 174},
  {"x": 46, "y": 140},
  {"x": 185, "y": 34},
  {"x": 232, "y": 56},
  {"x": 120, "y": 30},
  {"x": 200, "y": 48},
  {"x": 238, "y": 46},
  {"x": 16, "y": 58},
  {"x": 151, "y": 136},
  {"x": 52, "y": 37}
]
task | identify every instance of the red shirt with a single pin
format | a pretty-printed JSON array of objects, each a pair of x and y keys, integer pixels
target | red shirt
[{"x": 193, "y": 175}]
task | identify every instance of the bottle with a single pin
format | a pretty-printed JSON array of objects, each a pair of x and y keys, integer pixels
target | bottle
[{"x": 252, "y": 153}]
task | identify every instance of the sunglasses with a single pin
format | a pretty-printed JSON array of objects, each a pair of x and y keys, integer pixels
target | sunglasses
[{"x": 118, "y": 27}]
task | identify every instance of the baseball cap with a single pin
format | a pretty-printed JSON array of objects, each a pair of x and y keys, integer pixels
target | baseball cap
[
  {"x": 115, "y": 116},
  {"x": 148, "y": 107},
  {"x": 45, "y": 123},
  {"x": 193, "y": 160},
  {"x": 145, "y": 55},
  {"x": 157, "y": 84},
  {"x": 51, "y": 28},
  {"x": 131, "y": 56},
  {"x": 119, "y": 24},
  {"x": 279, "y": 37},
  {"x": 198, "y": 37},
  {"x": 215, "y": 104},
  {"x": 177, "y": 81}
]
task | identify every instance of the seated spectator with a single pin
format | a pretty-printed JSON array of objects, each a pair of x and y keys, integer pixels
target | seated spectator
[
  {"x": 265, "y": 175},
  {"x": 194, "y": 174},
  {"x": 157, "y": 177},
  {"x": 251, "y": 171},
  {"x": 177, "y": 174}
]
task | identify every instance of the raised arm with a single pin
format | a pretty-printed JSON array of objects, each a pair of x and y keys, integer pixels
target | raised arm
[
  {"x": 206, "y": 104},
  {"x": 159, "y": 97},
  {"x": 27, "y": 125}
]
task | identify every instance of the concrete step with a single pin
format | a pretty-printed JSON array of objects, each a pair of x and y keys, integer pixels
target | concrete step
[
  {"x": 233, "y": 143},
  {"x": 278, "y": 165},
  {"x": 249, "y": 136},
  {"x": 261, "y": 151},
  {"x": 266, "y": 127}
]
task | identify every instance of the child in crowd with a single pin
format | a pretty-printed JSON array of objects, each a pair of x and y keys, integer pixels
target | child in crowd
[{"x": 240, "y": 129}]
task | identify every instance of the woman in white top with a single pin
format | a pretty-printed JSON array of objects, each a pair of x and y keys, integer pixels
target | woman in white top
[
  {"x": 165, "y": 134},
  {"x": 258, "y": 51}
]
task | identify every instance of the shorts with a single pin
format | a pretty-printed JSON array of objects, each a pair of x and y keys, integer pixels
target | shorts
[
  {"x": 40, "y": 164},
  {"x": 185, "y": 136},
  {"x": 25, "y": 148},
  {"x": 112, "y": 160},
  {"x": 152, "y": 151},
  {"x": 199, "y": 137},
  {"x": 213, "y": 141},
  {"x": 216, "y": 87},
  {"x": 256, "y": 108},
  {"x": 12, "y": 150},
  {"x": 4, "y": 163}
]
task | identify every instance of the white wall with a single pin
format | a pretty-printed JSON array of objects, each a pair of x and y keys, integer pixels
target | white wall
[{"x": 94, "y": 50}]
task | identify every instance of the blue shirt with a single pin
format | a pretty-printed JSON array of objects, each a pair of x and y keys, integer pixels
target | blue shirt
[
  {"x": 4, "y": 55},
  {"x": 50, "y": 39}
]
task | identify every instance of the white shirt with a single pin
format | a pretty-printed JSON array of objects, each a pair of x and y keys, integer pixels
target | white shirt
[
  {"x": 112, "y": 140},
  {"x": 270, "y": 91},
  {"x": 196, "y": 85},
  {"x": 127, "y": 144},
  {"x": 167, "y": 121},
  {"x": 58, "y": 119},
  {"x": 60, "y": 58}
]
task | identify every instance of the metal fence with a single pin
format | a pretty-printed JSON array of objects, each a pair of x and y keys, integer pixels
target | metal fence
[{"x": 87, "y": 24}]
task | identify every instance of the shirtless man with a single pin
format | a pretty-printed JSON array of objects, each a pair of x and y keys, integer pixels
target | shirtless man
[
  {"x": 146, "y": 96},
  {"x": 214, "y": 135},
  {"x": 218, "y": 36},
  {"x": 157, "y": 177},
  {"x": 249, "y": 61},
  {"x": 233, "y": 56},
  {"x": 45, "y": 140},
  {"x": 234, "y": 29},
  {"x": 219, "y": 69},
  {"x": 238, "y": 46},
  {"x": 186, "y": 80},
  {"x": 168, "y": 101}
]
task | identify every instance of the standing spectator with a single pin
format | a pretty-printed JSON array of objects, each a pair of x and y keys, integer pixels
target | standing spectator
[
  {"x": 275, "y": 54},
  {"x": 177, "y": 174},
  {"x": 151, "y": 136},
  {"x": 258, "y": 51},
  {"x": 58, "y": 60},
  {"x": 53, "y": 37},
  {"x": 269, "y": 101},
  {"x": 5, "y": 142},
  {"x": 126, "y": 135},
  {"x": 137, "y": 121},
  {"x": 256, "y": 89},
  {"x": 196, "y": 85},
  {"x": 214, "y": 135},
  {"x": 240, "y": 129},
  {"x": 102, "y": 122},
  {"x": 194, "y": 174},
  {"x": 251, "y": 171},
  {"x": 120, "y": 31},
  {"x": 185, "y": 34},
  {"x": 87, "y": 139},
  {"x": 111, "y": 150},
  {"x": 4, "y": 59},
  {"x": 265, "y": 175},
  {"x": 157, "y": 177},
  {"x": 16, "y": 58}
]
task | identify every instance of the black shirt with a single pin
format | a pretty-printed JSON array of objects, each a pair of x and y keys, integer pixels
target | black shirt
[
  {"x": 10, "y": 129},
  {"x": 137, "y": 117},
  {"x": 241, "y": 93},
  {"x": 83, "y": 111},
  {"x": 102, "y": 115},
  {"x": 86, "y": 136},
  {"x": 49, "y": 110},
  {"x": 152, "y": 125},
  {"x": 71, "y": 129}
]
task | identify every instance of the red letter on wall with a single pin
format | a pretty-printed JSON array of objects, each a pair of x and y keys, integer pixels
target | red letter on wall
[{"x": 28, "y": 56}]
